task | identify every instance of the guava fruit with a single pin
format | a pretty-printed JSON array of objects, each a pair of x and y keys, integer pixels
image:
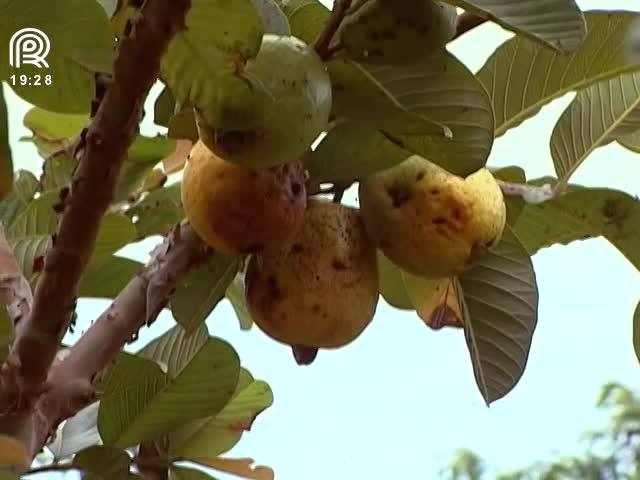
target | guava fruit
[
  {"x": 397, "y": 32},
  {"x": 239, "y": 210},
  {"x": 428, "y": 221},
  {"x": 321, "y": 289},
  {"x": 291, "y": 108}
]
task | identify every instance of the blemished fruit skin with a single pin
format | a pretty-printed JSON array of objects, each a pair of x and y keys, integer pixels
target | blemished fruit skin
[
  {"x": 296, "y": 112},
  {"x": 321, "y": 290},
  {"x": 397, "y": 32},
  {"x": 238, "y": 210},
  {"x": 430, "y": 222}
]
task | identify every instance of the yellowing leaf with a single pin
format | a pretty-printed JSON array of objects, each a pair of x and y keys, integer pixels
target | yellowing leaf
[
  {"x": 242, "y": 467},
  {"x": 14, "y": 456},
  {"x": 435, "y": 300}
]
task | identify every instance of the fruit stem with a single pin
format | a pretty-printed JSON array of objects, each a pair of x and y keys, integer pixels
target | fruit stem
[{"x": 331, "y": 26}]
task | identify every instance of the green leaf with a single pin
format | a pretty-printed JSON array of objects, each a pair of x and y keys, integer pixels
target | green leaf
[
  {"x": 183, "y": 473},
  {"x": 351, "y": 151},
  {"x": 501, "y": 300},
  {"x": 235, "y": 295},
  {"x": 445, "y": 91},
  {"x": 306, "y": 17},
  {"x": 105, "y": 277},
  {"x": 38, "y": 218},
  {"x": 201, "y": 63},
  {"x": 175, "y": 348},
  {"x": 100, "y": 462},
  {"x": 160, "y": 211},
  {"x": 183, "y": 125},
  {"x": 558, "y": 24},
  {"x": 580, "y": 214},
  {"x": 24, "y": 188},
  {"x": 630, "y": 141},
  {"x": 6, "y": 161},
  {"x": 217, "y": 435},
  {"x": 273, "y": 19},
  {"x": 57, "y": 171},
  {"x": 81, "y": 42},
  {"x": 358, "y": 96},
  {"x": 144, "y": 154},
  {"x": 6, "y": 332},
  {"x": 164, "y": 107},
  {"x": 392, "y": 286},
  {"x": 521, "y": 76},
  {"x": 54, "y": 126},
  {"x": 636, "y": 331},
  {"x": 116, "y": 231},
  {"x": 140, "y": 402},
  {"x": 199, "y": 293},
  {"x": 592, "y": 120}
]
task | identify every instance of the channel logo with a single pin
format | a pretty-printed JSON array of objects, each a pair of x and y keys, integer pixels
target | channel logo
[{"x": 29, "y": 46}]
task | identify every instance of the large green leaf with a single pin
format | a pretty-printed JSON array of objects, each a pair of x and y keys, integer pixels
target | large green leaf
[
  {"x": 351, "y": 151},
  {"x": 636, "y": 331},
  {"x": 158, "y": 212},
  {"x": 101, "y": 462},
  {"x": 6, "y": 162},
  {"x": 235, "y": 295},
  {"x": 57, "y": 171},
  {"x": 106, "y": 276},
  {"x": 631, "y": 141},
  {"x": 80, "y": 40},
  {"x": 198, "y": 294},
  {"x": 217, "y": 435},
  {"x": 306, "y": 17},
  {"x": 24, "y": 188},
  {"x": 583, "y": 213},
  {"x": 592, "y": 120},
  {"x": 522, "y": 76},
  {"x": 392, "y": 286},
  {"x": 558, "y": 24},
  {"x": 175, "y": 348},
  {"x": 501, "y": 313},
  {"x": 140, "y": 402},
  {"x": 202, "y": 63},
  {"x": 53, "y": 126},
  {"x": 442, "y": 89}
]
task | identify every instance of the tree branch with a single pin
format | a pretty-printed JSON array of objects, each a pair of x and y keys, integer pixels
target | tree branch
[
  {"x": 138, "y": 304},
  {"x": 467, "y": 21},
  {"x": 530, "y": 193},
  {"x": 323, "y": 42},
  {"x": 15, "y": 291},
  {"x": 100, "y": 157}
]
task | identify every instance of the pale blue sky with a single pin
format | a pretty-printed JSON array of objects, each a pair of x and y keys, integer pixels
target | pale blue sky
[{"x": 398, "y": 401}]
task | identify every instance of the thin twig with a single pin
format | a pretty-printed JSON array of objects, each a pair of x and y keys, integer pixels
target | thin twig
[
  {"x": 467, "y": 21},
  {"x": 530, "y": 193},
  {"x": 331, "y": 26}
]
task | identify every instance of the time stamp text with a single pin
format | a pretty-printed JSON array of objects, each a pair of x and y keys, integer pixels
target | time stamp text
[{"x": 29, "y": 46}]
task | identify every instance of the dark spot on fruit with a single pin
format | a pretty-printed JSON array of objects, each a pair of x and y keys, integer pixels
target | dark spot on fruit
[
  {"x": 273, "y": 289},
  {"x": 399, "y": 196},
  {"x": 316, "y": 308},
  {"x": 338, "y": 264},
  {"x": 419, "y": 176},
  {"x": 296, "y": 188},
  {"x": 296, "y": 248},
  {"x": 373, "y": 36},
  {"x": 490, "y": 243},
  {"x": 385, "y": 243},
  {"x": 377, "y": 52},
  {"x": 439, "y": 221},
  {"x": 387, "y": 33},
  {"x": 255, "y": 247},
  {"x": 457, "y": 213},
  {"x": 434, "y": 191},
  {"x": 317, "y": 278}
]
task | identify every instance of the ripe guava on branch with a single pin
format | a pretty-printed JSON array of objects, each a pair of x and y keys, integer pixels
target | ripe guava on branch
[
  {"x": 291, "y": 108},
  {"x": 321, "y": 290},
  {"x": 397, "y": 31},
  {"x": 238, "y": 210},
  {"x": 429, "y": 221}
]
